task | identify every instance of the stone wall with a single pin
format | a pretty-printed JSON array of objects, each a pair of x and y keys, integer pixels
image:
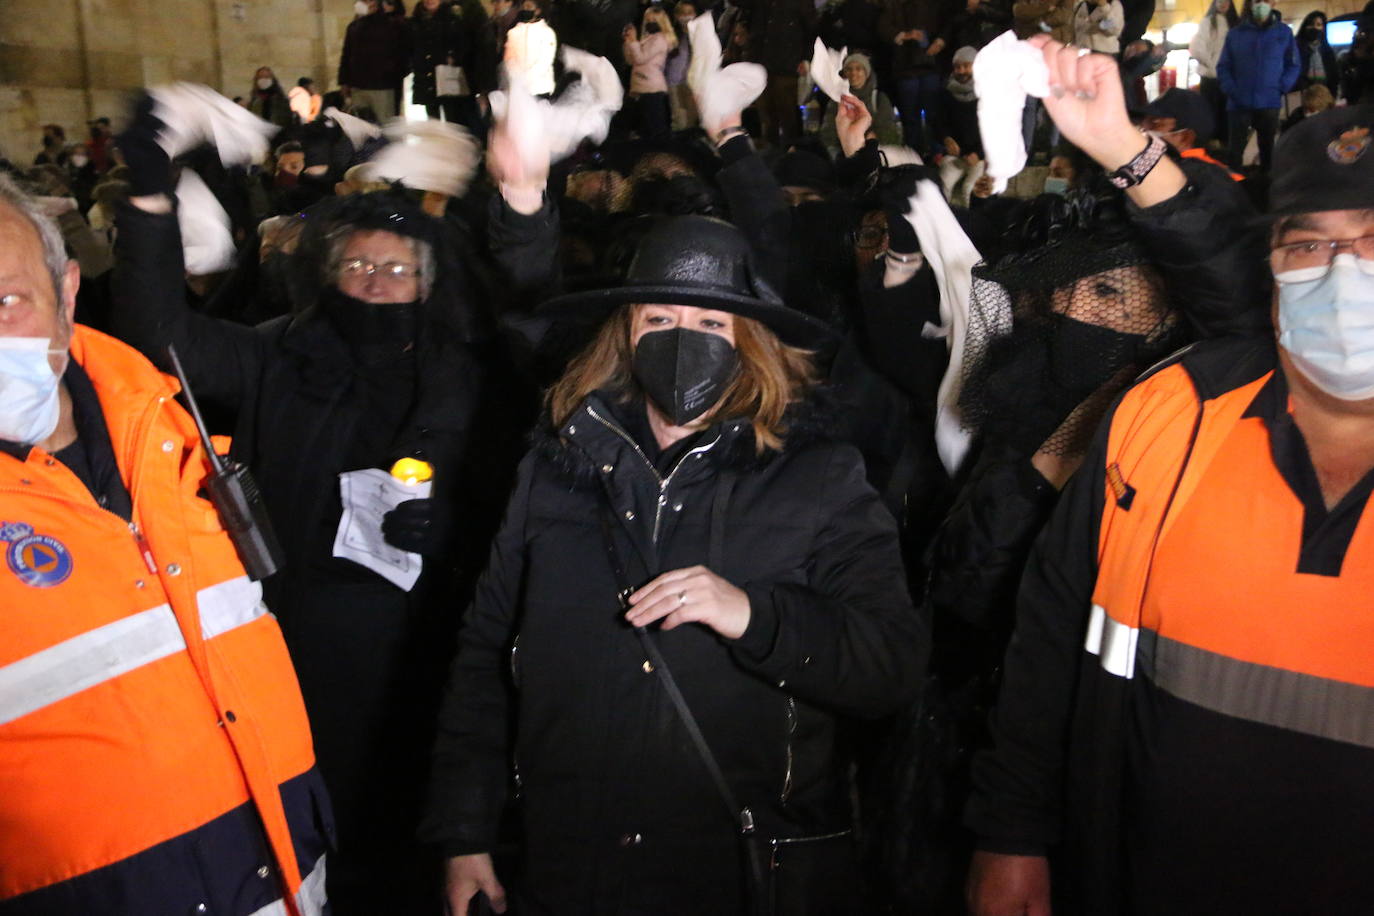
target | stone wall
[{"x": 67, "y": 61}]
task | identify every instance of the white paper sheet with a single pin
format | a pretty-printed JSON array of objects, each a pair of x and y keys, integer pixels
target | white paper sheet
[{"x": 367, "y": 495}]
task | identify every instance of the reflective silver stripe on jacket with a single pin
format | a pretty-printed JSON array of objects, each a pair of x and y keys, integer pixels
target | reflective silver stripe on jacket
[
  {"x": 229, "y": 604},
  {"x": 1292, "y": 700},
  {"x": 1112, "y": 642},
  {"x": 107, "y": 652},
  {"x": 83, "y": 661}
]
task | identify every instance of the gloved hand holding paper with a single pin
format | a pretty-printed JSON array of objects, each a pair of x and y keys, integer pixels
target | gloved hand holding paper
[{"x": 367, "y": 496}]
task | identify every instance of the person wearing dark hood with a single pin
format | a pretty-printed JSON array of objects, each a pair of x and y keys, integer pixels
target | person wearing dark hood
[
  {"x": 1316, "y": 60},
  {"x": 1258, "y": 64},
  {"x": 377, "y": 362},
  {"x": 689, "y": 592},
  {"x": 267, "y": 100}
]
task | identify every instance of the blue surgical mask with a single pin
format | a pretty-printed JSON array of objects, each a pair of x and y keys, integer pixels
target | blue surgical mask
[
  {"x": 28, "y": 390},
  {"x": 1261, "y": 11},
  {"x": 1327, "y": 325},
  {"x": 1058, "y": 186}
]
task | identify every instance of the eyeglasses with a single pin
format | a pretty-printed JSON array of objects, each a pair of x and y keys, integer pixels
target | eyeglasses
[
  {"x": 393, "y": 271},
  {"x": 1316, "y": 255},
  {"x": 870, "y": 236}
]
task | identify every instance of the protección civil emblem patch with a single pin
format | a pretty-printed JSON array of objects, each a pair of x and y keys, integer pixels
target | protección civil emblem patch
[{"x": 37, "y": 560}]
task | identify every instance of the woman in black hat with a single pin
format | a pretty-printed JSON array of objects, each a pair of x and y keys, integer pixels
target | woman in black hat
[{"x": 681, "y": 524}]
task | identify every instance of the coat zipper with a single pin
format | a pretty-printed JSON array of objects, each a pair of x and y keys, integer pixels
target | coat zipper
[
  {"x": 141, "y": 544},
  {"x": 136, "y": 441},
  {"x": 663, "y": 482}
]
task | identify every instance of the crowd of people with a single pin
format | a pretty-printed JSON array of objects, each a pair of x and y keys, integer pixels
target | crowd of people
[{"x": 727, "y": 498}]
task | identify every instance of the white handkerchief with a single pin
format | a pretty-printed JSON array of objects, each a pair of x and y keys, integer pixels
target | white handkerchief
[
  {"x": 951, "y": 255},
  {"x": 730, "y": 90},
  {"x": 701, "y": 33},
  {"x": 192, "y": 114},
  {"x": 207, "y": 244},
  {"x": 545, "y": 132},
  {"x": 368, "y": 495},
  {"x": 1004, "y": 73},
  {"x": 719, "y": 92},
  {"x": 428, "y": 155},
  {"x": 825, "y": 70},
  {"x": 355, "y": 129}
]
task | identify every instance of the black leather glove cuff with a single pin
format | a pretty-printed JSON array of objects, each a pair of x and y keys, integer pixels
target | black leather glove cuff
[{"x": 149, "y": 165}]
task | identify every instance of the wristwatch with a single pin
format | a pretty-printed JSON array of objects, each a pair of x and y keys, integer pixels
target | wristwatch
[{"x": 1134, "y": 172}]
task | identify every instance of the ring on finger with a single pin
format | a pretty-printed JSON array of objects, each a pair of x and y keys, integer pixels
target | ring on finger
[{"x": 681, "y": 598}]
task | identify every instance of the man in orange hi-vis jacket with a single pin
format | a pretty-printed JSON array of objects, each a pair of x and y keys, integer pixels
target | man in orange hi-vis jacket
[
  {"x": 154, "y": 752},
  {"x": 1186, "y": 720}
]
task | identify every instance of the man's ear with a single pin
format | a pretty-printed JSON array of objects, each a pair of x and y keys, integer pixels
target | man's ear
[{"x": 71, "y": 282}]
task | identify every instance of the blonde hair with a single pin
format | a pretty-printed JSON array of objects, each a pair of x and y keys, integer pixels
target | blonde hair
[
  {"x": 666, "y": 27},
  {"x": 772, "y": 376},
  {"x": 1317, "y": 97}
]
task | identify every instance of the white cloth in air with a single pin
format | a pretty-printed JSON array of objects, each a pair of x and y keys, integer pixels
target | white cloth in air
[
  {"x": 427, "y": 155},
  {"x": 193, "y": 115},
  {"x": 1004, "y": 73},
  {"x": 207, "y": 243},
  {"x": 951, "y": 255},
  {"x": 719, "y": 92},
  {"x": 825, "y": 70},
  {"x": 544, "y": 132}
]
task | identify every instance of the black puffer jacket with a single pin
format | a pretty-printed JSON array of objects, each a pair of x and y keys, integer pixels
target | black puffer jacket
[{"x": 620, "y": 815}]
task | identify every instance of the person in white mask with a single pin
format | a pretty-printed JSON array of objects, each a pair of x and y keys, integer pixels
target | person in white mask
[
  {"x": 1186, "y": 718},
  {"x": 135, "y": 653}
]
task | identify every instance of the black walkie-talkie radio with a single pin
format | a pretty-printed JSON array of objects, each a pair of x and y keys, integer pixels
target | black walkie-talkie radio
[{"x": 236, "y": 497}]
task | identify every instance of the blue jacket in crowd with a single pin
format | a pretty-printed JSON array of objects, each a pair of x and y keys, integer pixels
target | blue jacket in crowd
[{"x": 1258, "y": 64}]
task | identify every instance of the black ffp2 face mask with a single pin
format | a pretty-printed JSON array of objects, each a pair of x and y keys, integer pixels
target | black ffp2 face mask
[{"x": 684, "y": 372}]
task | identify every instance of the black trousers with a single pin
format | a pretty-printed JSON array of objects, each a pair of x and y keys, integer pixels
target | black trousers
[
  {"x": 653, "y": 115},
  {"x": 1265, "y": 121},
  {"x": 1210, "y": 89}
]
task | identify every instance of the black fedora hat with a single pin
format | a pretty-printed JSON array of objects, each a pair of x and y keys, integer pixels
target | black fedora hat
[{"x": 699, "y": 261}]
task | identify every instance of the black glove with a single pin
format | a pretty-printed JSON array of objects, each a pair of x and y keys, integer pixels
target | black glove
[
  {"x": 149, "y": 166},
  {"x": 420, "y": 526}
]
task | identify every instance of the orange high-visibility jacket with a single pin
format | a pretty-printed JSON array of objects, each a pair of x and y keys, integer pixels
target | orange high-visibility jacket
[{"x": 154, "y": 751}]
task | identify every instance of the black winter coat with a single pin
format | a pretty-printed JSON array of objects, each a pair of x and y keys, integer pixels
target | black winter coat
[
  {"x": 434, "y": 40},
  {"x": 370, "y": 657},
  {"x": 781, "y": 33},
  {"x": 620, "y": 815},
  {"x": 376, "y": 53}
]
